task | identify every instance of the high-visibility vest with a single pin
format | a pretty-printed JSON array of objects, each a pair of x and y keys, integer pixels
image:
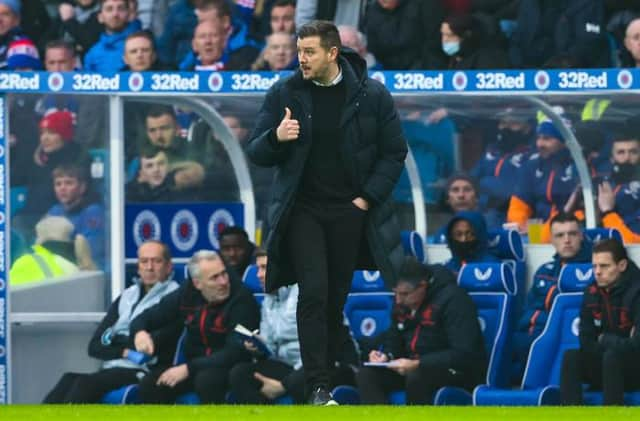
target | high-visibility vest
[
  {"x": 594, "y": 108},
  {"x": 38, "y": 266}
]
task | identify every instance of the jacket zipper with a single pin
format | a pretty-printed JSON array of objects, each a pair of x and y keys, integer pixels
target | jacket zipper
[{"x": 203, "y": 334}]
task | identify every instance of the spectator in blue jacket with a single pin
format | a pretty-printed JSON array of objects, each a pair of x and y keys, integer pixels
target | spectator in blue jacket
[
  {"x": 78, "y": 203},
  {"x": 107, "y": 54},
  {"x": 546, "y": 182},
  {"x": 570, "y": 247},
  {"x": 467, "y": 240},
  {"x": 502, "y": 163}
]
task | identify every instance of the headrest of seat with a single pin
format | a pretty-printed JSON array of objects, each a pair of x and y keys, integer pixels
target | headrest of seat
[
  {"x": 506, "y": 244},
  {"x": 413, "y": 245},
  {"x": 250, "y": 279},
  {"x": 488, "y": 277},
  {"x": 598, "y": 234},
  {"x": 367, "y": 281},
  {"x": 574, "y": 277}
]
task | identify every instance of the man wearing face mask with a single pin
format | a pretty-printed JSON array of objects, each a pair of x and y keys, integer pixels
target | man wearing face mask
[
  {"x": 467, "y": 240},
  {"x": 619, "y": 198},
  {"x": 502, "y": 162}
]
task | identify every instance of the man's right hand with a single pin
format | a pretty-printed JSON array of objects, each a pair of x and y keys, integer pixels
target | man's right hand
[
  {"x": 376, "y": 356},
  {"x": 289, "y": 128},
  {"x": 143, "y": 342}
]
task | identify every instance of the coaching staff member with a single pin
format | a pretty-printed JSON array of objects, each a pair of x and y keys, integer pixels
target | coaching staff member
[{"x": 335, "y": 138}]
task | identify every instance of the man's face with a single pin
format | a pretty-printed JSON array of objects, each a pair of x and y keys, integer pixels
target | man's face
[
  {"x": 69, "y": 190},
  {"x": 349, "y": 38},
  {"x": 152, "y": 266},
  {"x": 388, "y": 4},
  {"x": 447, "y": 35},
  {"x": 261, "y": 262},
  {"x": 154, "y": 170},
  {"x": 282, "y": 19},
  {"x": 625, "y": 152},
  {"x": 213, "y": 282},
  {"x": 161, "y": 130},
  {"x": 548, "y": 146},
  {"x": 208, "y": 42},
  {"x": 606, "y": 270},
  {"x": 315, "y": 61},
  {"x": 114, "y": 15},
  {"x": 408, "y": 295},
  {"x": 58, "y": 60},
  {"x": 461, "y": 196},
  {"x": 236, "y": 127},
  {"x": 566, "y": 238},
  {"x": 462, "y": 231},
  {"x": 632, "y": 39},
  {"x": 8, "y": 19},
  {"x": 279, "y": 51},
  {"x": 234, "y": 249},
  {"x": 50, "y": 141},
  {"x": 139, "y": 54}
]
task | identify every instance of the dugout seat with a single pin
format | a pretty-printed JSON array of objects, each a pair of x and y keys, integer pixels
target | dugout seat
[
  {"x": 598, "y": 234},
  {"x": 413, "y": 245}
]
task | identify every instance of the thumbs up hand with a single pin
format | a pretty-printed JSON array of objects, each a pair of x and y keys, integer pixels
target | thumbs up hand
[{"x": 289, "y": 128}]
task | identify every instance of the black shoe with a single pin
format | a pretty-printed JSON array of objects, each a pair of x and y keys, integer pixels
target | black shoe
[{"x": 321, "y": 397}]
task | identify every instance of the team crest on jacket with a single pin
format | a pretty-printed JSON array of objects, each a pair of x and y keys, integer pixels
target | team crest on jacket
[{"x": 146, "y": 227}]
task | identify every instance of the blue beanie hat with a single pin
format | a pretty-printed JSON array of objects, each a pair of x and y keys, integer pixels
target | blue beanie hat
[
  {"x": 14, "y": 5},
  {"x": 23, "y": 54},
  {"x": 546, "y": 128}
]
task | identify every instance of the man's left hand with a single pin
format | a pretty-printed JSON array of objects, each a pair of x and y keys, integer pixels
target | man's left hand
[
  {"x": 404, "y": 366},
  {"x": 173, "y": 376},
  {"x": 360, "y": 203}
]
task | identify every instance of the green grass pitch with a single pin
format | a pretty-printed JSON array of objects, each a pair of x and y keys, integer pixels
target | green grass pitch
[{"x": 307, "y": 413}]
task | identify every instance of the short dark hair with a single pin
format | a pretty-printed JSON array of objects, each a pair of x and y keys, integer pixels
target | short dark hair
[
  {"x": 79, "y": 172},
  {"x": 613, "y": 246},
  {"x": 222, "y": 7},
  {"x": 233, "y": 230},
  {"x": 259, "y": 252},
  {"x": 158, "y": 110},
  {"x": 327, "y": 31},
  {"x": 142, "y": 34},
  {"x": 60, "y": 43},
  {"x": 149, "y": 150},
  {"x": 625, "y": 132},
  {"x": 283, "y": 3},
  {"x": 462, "y": 176},
  {"x": 102, "y": 2},
  {"x": 413, "y": 272},
  {"x": 563, "y": 217},
  {"x": 166, "y": 253}
]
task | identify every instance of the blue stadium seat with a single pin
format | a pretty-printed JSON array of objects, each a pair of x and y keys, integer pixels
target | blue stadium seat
[
  {"x": 369, "y": 314},
  {"x": 598, "y": 234},
  {"x": 367, "y": 281},
  {"x": 124, "y": 395},
  {"x": 413, "y": 245},
  {"x": 540, "y": 384},
  {"x": 492, "y": 288},
  {"x": 507, "y": 246},
  {"x": 251, "y": 281}
]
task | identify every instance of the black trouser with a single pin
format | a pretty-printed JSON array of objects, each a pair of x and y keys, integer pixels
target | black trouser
[
  {"x": 89, "y": 388},
  {"x": 375, "y": 383},
  {"x": 209, "y": 384},
  {"x": 612, "y": 371},
  {"x": 246, "y": 388},
  {"x": 323, "y": 241}
]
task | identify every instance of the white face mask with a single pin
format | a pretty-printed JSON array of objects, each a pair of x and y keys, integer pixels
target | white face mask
[{"x": 451, "y": 48}]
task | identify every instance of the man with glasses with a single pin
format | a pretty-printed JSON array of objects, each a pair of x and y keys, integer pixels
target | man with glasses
[
  {"x": 208, "y": 307},
  {"x": 434, "y": 340},
  {"x": 570, "y": 247}
]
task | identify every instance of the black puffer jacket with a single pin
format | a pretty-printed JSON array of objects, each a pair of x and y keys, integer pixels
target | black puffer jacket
[
  {"x": 610, "y": 317},
  {"x": 373, "y": 151},
  {"x": 209, "y": 341},
  {"x": 443, "y": 332}
]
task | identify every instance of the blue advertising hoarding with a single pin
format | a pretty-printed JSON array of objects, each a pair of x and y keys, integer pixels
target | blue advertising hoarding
[{"x": 4, "y": 259}]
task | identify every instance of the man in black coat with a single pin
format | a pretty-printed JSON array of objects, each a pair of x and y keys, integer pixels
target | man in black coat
[
  {"x": 609, "y": 321},
  {"x": 331, "y": 210},
  {"x": 208, "y": 308},
  {"x": 434, "y": 340}
]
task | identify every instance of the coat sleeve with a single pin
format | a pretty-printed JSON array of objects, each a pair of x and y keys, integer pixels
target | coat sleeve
[
  {"x": 161, "y": 319},
  {"x": 392, "y": 150},
  {"x": 588, "y": 333},
  {"x": 630, "y": 344},
  {"x": 613, "y": 220},
  {"x": 245, "y": 312},
  {"x": 114, "y": 350},
  {"x": 461, "y": 326},
  {"x": 263, "y": 147}
]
